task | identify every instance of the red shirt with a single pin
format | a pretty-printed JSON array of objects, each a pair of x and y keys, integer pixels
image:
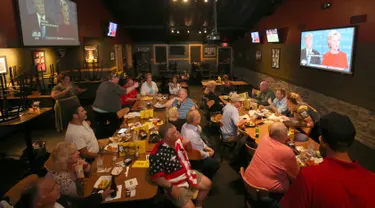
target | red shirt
[
  {"x": 332, "y": 184},
  {"x": 335, "y": 60},
  {"x": 132, "y": 94}
]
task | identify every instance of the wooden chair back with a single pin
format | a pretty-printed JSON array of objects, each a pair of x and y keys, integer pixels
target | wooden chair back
[
  {"x": 253, "y": 192},
  {"x": 250, "y": 150},
  {"x": 16, "y": 191},
  {"x": 194, "y": 155}
]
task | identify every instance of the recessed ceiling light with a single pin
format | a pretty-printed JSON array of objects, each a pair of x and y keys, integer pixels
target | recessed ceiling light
[
  {"x": 205, "y": 31},
  {"x": 200, "y": 32},
  {"x": 206, "y": 1},
  {"x": 188, "y": 31},
  {"x": 178, "y": 32},
  {"x": 185, "y": 0},
  {"x": 172, "y": 31}
]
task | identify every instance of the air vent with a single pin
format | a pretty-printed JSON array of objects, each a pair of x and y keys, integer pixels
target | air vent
[{"x": 358, "y": 19}]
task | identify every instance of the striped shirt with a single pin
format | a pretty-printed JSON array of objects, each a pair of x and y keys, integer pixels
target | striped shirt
[{"x": 184, "y": 108}]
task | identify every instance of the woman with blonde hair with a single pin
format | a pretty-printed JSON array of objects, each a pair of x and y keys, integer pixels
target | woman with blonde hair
[
  {"x": 334, "y": 57},
  {"x": 67, "y": 168},
  {"x": 65, "y": 94},
  {"x": 149, "y": 87},
  {"x": 213, "y": 101}
]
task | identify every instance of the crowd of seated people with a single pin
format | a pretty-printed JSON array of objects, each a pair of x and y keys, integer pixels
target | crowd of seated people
[{"x": 337, "y": 182}]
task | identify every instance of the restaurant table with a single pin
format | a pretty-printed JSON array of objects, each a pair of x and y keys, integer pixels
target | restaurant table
[
  {"x": 24, "y": 121},
  {"x": 145, "y": 189},
  {"x": 234, "y": 83}
]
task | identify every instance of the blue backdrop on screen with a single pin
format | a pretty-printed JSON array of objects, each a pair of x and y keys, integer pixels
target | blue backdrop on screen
[{"x": 320, "y": 43}]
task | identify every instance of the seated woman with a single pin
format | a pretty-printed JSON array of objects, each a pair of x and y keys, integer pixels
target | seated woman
[
  {"x": 149, "y": 87},
  {"x": 107, "y": 105},
  {"x": 65, "y": 95},
  {"x": 227, "y": 87},
  {"x": 67, "y": 168},
  {"x": 305, "y": 119},
  {"x": 174, "y": 86},
  {"x": 213, "y": 101},
  {"x": 129, "y": 99}
]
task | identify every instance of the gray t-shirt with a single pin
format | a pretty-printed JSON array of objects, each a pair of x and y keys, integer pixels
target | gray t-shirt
[
  {"x": 230, "y": 119},
  {"x": 108, "y": 97}
]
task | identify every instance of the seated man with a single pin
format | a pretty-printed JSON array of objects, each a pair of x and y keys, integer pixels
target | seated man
[
  {"x": 81, "y": 134},
  {"x": 278, "y": 105},
  {"x": 193, "y": 132},
  {"x": 338, "y": 181},
  {"x": 304, "y": 118},
  {"x": 263, "y": 94},
  {"x": 183, "y": 105},
  {"x": 170, "y": 169},
  {"x": 274, "y": 163},
  {"x": 231, "y": 121},
  {"x": 46, "y": 193}
]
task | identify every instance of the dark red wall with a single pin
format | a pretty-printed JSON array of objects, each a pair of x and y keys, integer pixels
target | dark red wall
[
  {"x": 92, "y": 17},
  {"x": 293, "y": 13}
]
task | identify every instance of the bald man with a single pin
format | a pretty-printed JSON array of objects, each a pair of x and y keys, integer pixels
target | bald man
[
  {"x": 263, "y": 94},
  {"x": 274, "y": 163}
]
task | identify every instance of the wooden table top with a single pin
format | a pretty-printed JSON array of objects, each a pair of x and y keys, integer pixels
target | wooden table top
[
  {"x": 29, "y": 115},
  {"x": 234, "y": 83},
  {"x": 145, "y": 189},
  {"x": 34, "y": 95}
]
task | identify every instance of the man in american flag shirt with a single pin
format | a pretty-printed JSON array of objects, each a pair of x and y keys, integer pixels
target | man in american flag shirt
[{"x": 170, "y": 169}]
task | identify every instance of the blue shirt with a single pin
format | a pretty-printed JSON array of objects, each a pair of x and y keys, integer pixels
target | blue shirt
[
  {"x": 193, "y": 134},
  {"x": 184, "y": 108},
  {"x": 281, "y": 105},
  {"x": 230, "y": 119}
]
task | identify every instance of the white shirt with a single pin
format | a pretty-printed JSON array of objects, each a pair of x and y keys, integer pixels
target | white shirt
[
  {"x": 193, "y": 134},
  {"x": 230, "y": 119},
  {"x": 151, "y": 90},
  {"x": 82, "y": 136},
  {"x": 174, "y": 90},
  {"x": 40, "y": 17},
  {"x": 57, "y": 205}
]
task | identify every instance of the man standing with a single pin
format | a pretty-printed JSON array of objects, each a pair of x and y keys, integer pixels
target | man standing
[
  {"x": 337, "y": 181},
  {"x": 170, "y": 169},
  {"x": 81, "y": 134},
  {"x": 308, "y": 54},
  {"x": 274, "y": 163},
  {"x": 263, "y": 94},
  {"x": 193, "y": 132}
]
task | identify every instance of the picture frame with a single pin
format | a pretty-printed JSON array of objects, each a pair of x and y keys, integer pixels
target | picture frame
[
  {"x": 275, "y": 54},
  {"x": 91, "y": 54},
  {"x": 209, "y": 51},
  {"x": 3, "y": 65},
  {"x": 112, "y": 56},
  {"x": 258, "y": 55},
  {"x": 39, "y": 60}
]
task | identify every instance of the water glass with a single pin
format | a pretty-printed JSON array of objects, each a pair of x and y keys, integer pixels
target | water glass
[{"x": 99, "y": 163}]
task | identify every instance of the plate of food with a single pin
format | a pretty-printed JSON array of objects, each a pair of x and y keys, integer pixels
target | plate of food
[
  {"x": 112, "y": 147},
  {"x": 147, "y": 98},
  {"x": 103, "y": 182},
  {"x": 250, "y": 124},
  {"x": 116, "y": 171},
  {"x": 159, "y": 105}
]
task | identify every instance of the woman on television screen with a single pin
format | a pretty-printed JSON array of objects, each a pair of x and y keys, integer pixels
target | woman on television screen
[{"x": 334, "y": 57}]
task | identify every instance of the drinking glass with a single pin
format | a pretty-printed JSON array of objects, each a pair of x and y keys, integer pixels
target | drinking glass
[{"x": 99, "y": 163}]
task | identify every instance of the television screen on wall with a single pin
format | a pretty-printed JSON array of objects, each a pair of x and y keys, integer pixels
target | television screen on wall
[
  {"x": 48, "y": 22},
  {"x": 272, "y": 36},
  {"x": 328, "y": 49},
  {"x": 112, "y": 29},
  {"x": 255, "y": 37},
  {"x": 177, "y": 50}
]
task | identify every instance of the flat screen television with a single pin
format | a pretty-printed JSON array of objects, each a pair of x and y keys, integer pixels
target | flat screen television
[
  {"x": 272, "y": 36},
  {"x": 112, "y": 29},
  {"x": 255, "y": 38},
  {"x": 177, "y": 50},
  {"x": 328, "y": 49},
  {"x": 48, "y": 22}
]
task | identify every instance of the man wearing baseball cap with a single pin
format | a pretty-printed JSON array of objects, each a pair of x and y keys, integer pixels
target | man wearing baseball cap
[{"x": 337, "y": 181}]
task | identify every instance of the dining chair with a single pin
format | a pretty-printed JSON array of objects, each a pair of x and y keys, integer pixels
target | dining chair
[
  {"x": 254, "y": 195},
  {"x": 194, "y": 155},
  {"x": 16, "y": 191},
  {"x": 250, "y": 150},
  {"x": 224, "y": 143}
]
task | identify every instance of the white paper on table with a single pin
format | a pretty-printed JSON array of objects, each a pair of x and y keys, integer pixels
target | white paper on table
[
  {"x": 131, "y": 184},
  {"x": 105, "y": 170},
  {"x": 132, "y": 193},
  {"x": 118, "y": 194}
]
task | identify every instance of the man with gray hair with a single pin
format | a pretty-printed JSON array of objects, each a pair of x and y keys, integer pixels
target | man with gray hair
[
  {"x": 170, "y": 169},
  {"x": 263, "y": 94},
  {"x": 308, "y": 54},
  {"x": 193, "y": 132},
  {"x": 274, "y": 163}
]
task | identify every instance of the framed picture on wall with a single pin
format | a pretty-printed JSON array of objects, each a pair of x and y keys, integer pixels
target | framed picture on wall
[
  {"x": 112, "y": 56},
  {"x": 209, "y": 51},
  {"x": 3, "y": 65},
  {"x": 91, "y": 54},
  {"x": 39, "y": 60},
  {"x": 258, "y": 55},
  {"x": 276, "y": 58}
]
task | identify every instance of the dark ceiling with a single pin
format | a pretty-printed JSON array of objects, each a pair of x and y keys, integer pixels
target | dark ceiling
[{"x": 154, "y": 20}]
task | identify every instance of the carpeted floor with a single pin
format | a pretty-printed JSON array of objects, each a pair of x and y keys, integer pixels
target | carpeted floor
[{"x": 227, "y": 185}]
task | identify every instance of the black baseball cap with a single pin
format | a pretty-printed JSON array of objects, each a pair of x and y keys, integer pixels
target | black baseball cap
[{"x": 337, "y": 130}]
